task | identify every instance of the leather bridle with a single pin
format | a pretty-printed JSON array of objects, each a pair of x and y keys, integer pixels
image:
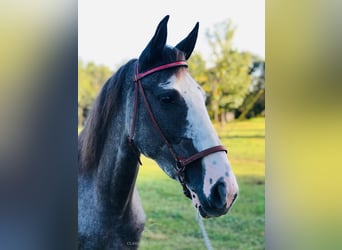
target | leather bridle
[{"x": 181, "y": 162}]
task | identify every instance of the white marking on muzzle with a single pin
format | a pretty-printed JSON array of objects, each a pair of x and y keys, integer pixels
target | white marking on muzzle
[{"x": 217, "y": 168}]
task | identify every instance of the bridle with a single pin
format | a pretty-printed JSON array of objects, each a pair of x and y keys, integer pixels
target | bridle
[{"x": 181, "y": 162}]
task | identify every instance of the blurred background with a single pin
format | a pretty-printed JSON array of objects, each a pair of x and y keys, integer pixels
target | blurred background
[{"x": 39, "y": 116}]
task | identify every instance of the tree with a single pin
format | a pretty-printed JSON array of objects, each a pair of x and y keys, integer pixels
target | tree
[
  {"x": 199, "y": 71},
  {"x": 90, "y": 80},
  {"x": 197, "y": 68},
  {"x": 228, "y": 78},
  {"x": 254, "y": 103}
]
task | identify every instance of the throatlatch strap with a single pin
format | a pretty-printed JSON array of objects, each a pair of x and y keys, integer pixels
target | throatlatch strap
[{"x": 135, "y": 111}]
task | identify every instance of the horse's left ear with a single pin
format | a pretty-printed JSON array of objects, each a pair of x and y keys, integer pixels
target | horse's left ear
[
  {"x": 188, "y": 44},
  {"x": 156, "y": 46}
]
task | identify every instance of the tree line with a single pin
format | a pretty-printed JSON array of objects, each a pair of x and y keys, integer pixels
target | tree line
[{"x": 233, "y": 81}]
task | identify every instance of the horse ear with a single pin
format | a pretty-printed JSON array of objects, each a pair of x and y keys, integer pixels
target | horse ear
[
  {"x": 188, "y": 44},
  {"x": 155, "y": 47}
]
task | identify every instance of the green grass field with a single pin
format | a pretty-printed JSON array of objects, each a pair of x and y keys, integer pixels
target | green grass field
[{"x": 171, "y": 222}]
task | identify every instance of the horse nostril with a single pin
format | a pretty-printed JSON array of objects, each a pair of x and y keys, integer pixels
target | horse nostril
[{"x": 219, "y": 194}]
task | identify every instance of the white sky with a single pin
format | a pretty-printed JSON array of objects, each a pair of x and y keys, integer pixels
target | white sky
[{"x": 110, "y": 32}]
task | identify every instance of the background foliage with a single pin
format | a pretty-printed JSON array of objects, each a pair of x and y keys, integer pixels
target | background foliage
[{"x": 90, "y": 80}]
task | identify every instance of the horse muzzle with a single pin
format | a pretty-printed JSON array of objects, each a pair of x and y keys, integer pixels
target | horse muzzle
[{"x": 219, "y": 202}]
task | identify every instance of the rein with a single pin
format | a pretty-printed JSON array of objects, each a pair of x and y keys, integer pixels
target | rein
[{"x": 181, "y": 162}]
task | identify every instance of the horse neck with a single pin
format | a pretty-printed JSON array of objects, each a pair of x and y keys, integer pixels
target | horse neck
[{"x": 117, "y": 170}]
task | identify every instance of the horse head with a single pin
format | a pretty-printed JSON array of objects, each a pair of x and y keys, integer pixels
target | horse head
[{"x": 175, "y": 124}]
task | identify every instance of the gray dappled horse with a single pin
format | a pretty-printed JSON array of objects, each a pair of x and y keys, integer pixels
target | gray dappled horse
[{"x": 150, "y": 106}]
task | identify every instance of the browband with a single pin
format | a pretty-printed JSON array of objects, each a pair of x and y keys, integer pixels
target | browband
[{"x": 138, "y": 76}]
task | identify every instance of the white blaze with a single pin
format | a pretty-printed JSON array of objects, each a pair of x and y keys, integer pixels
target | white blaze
[{"x": 201, "y": 131}]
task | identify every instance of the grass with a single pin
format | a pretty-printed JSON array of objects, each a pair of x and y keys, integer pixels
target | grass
[{"x": 171, "y": 222}]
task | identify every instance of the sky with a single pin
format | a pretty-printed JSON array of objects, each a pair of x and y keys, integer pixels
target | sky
[{"x": 110, "y": 33}]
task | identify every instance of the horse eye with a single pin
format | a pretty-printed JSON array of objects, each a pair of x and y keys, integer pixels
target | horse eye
[
  {"x": 169, "y": 97},
  {"x": 166, "y": 99}
]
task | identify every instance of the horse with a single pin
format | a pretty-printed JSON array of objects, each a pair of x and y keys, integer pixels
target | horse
[{"x": 150, "y": 106}]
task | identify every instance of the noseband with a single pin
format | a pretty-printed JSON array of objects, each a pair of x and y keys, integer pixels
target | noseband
[{"x": 181, "y": 162}]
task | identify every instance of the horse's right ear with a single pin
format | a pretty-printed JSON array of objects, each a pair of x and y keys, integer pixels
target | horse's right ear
[
  {"x": 188, "y": 44},
  {"x": 155, "y": 47}
]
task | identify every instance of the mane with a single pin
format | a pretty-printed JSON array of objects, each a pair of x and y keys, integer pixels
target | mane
[{"x": 92, "y": 138}]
